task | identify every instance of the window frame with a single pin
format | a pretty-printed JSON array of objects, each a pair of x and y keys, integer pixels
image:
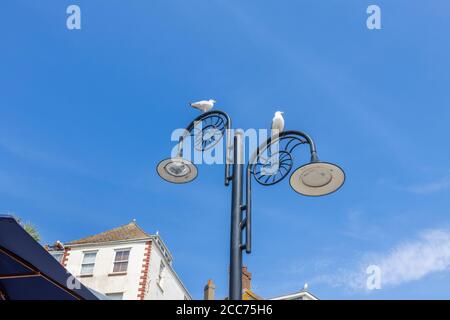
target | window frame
[
  {"x": 121, "y": 261},
  {"x": 83, "y": 263},
  {"x": 57, "y": 252},
  {"x": 113, "y": 293},
  {"x": 160, "y": 279}
]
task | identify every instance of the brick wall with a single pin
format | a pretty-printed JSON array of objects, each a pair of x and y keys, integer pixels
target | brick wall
[
  {"x": 65, "y": 257},
  {"x": 144, "y": 273}
]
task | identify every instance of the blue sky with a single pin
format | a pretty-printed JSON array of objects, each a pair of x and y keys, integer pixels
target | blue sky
[{"x": 79, "y": 141}]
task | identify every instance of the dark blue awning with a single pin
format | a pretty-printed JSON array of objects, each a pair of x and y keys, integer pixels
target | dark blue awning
[{"x": 29, "y": 272}]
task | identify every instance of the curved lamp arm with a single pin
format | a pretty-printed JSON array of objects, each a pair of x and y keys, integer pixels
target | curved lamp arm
[
  {"x": 226, "y": 125},
  {"x": 296, "y": 138}
]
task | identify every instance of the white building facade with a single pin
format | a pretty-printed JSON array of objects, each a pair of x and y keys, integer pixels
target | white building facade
[{"x": 123, "y": 263}]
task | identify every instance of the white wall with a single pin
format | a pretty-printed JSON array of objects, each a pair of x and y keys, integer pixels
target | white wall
[
  {"x": 102, "y": 280},
  {"x": 172, "y": 289}
]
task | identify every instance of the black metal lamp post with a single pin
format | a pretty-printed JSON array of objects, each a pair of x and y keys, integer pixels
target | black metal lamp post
[{"x": 313, "y": 179}]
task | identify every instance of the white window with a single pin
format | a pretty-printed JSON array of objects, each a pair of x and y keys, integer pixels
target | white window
[
  {"x": 58, "y": 255},
  {"x": 87, "y": 266},
  {"x": 160, "y": 282},
  {"x": 121, "y": 260},
  {"x": 115, "y": 295}
]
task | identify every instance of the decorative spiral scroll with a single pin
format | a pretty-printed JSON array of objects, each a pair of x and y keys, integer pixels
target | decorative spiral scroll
[
  {"x": 208, "y": 131},
  {"x": 270, "y": 168},
  {"x": 273, "y": 169}
]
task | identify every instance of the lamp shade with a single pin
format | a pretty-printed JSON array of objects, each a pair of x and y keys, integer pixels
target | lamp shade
[
  {"x": 177, "y": 170},
  {"x": 317, "y": 179}
]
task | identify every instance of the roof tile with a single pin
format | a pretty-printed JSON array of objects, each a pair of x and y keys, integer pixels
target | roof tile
[{"x": 129, "y": 231}]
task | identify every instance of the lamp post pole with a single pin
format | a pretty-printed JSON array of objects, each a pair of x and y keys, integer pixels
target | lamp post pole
[
  {"x": 235, "y": 284},
  {"x": 315, "y": 178}
]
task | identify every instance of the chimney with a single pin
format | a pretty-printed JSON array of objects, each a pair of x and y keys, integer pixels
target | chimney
[
  {"x": 246, "y": 279},
  {"x": 209, "y": 290}
]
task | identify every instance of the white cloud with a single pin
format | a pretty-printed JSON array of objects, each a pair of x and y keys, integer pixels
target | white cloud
[
  {"x": 414, "y": 260},
  {"x": 406, "y": 262},
  {"x": 431, "y": 187}
]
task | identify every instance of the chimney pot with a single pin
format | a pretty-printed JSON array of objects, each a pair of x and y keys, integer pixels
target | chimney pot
[
  {"x": 246, "y": 279},
  {"x": 209, "y": 290}
]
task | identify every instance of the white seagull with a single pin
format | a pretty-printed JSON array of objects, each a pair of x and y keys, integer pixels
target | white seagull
[
  {"x": 204, "y": 105},
  {"x": 305, "y": 287},
  {"x": 277, "y": 123}
]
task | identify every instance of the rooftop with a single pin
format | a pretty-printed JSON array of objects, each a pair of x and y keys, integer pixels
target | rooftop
[{"x": 130, "y": 231}]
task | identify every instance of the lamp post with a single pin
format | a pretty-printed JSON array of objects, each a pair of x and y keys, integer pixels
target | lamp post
[{"x": 315, "y": 178}]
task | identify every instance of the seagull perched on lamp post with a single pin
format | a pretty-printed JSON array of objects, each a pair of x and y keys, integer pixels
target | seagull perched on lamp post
[
  {"x": 278, "y": 123},
  {"x": 204, "y": 105}
]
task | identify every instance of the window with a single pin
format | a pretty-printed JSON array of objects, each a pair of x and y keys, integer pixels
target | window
[
  {"x": 160, "y": 282},
  {"x": 87, "y": 266},
  {"x": 58, "y": 255},
  {"x": 121, "y": 260},
  {"x": 115, "y": 295}
]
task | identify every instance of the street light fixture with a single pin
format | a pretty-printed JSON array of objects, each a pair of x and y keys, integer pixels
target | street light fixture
[
  {"x": 317, "y": 179},
  {"x": 177, "y": 170},
  {"x": 313, "y": 179}
]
